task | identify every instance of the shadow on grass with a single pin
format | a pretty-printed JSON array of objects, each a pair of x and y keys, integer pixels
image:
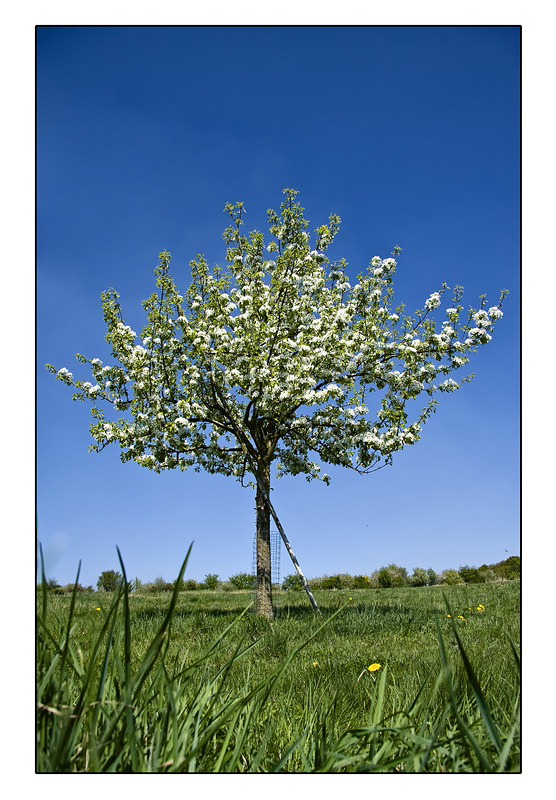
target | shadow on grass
[
  {"x": 189, "y": 613},
  {"x": 296, "y": 612}
]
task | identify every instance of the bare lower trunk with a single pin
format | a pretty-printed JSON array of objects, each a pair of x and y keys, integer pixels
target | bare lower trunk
[
  {"x": 285, "y": 539},
  {"x": 263, "y": 592}
]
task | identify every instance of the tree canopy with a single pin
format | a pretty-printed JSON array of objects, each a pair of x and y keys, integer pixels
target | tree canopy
[{"x": 278, "y": 351}]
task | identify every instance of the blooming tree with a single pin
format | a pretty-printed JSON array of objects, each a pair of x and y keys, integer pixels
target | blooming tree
[{"x": 276, "y": 362}]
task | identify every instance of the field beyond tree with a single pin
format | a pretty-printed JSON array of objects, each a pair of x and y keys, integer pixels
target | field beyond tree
[{"x": 382, "y": 680}]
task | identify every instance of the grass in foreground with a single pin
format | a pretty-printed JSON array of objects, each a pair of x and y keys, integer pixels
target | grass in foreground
[{"x": 195, "y": 683}]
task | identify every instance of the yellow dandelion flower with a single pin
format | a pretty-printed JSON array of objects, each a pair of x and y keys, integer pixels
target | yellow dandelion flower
[
  {"x": 315, "y": 663},
  {"x": 373, "y": 667},
  {"x": 448, "y": 615},
  {"x": 97, "y": 609},
  {"x": 460, "y": 616},
  {"x": 480, "y": 607}
]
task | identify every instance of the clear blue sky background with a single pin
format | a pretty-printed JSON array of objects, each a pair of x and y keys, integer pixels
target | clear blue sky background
[{"x": 411, "y": 135}]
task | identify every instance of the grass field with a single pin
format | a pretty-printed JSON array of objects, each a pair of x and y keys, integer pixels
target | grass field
[{"x": 194, "y": 682}]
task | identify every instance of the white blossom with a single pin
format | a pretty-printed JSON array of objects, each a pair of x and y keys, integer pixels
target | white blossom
[
  {"x": 433, "y": 301},
  {"x": 482, "y": 319},
  {"x": 449, "y": 385}
]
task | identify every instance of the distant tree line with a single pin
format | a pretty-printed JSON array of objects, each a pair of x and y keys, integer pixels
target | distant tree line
[
  {"x": 393, "y": 576},
  {"x": 387, "y": 577}
]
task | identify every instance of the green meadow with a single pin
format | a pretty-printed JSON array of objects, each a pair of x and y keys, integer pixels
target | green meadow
[{"x": 194, "y": 682}]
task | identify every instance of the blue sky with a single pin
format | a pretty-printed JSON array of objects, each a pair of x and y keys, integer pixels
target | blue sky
[{"x": 410, "y": 134}]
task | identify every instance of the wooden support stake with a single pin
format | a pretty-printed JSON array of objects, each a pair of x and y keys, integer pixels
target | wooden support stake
[{"x": 287, "y": 543}]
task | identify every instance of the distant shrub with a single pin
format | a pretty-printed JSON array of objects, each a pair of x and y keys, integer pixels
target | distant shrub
[
  {"x": 450, "y": 577},
  {"x": 360, "y": 582},
  {"x": 331, "y": 582},
  {"x": 243, "y": 580},
  {"x": 160, "y": 585},
  {"x": 470, "y": 575},
  {"x": 211, "y": 581},
  {"x": 189, "y": 585},
  {"x": 340, "y": 581},
  {"x": 292, "y": 582},
  {"x": 68, "y": 588},
  {"x": 157, "y": 586},
  {"x": 384, "y": 578},
  {"x": 109, "y": 580},
  {"x": 346, "y": 580},
  {"x": 419, "y": 578},
  {"x": 53, "y": 586},
  {"x": 509, "y": 569},
  {"x": 432, "y": 577},
  {"x": 488, "y": 575},
  {"x": 392, "y": 576},
  {"x": 373, "y": 580}
]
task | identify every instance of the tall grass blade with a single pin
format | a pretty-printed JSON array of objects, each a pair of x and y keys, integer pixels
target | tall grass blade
[
  {"x": 479, "y": 696},
  {"x": 130, "y": 719},
  {"x": 379, "y": 701},
  {"x": 68, "y": 631},
  {"x": 156, "y": 644}
]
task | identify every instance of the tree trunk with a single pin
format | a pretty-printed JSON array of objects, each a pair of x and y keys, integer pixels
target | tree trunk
[{"x": 263, "y": 592}]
